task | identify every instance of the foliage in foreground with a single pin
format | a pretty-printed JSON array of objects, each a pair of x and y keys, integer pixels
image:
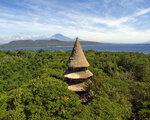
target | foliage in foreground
[{"x": 32, "y": 87}]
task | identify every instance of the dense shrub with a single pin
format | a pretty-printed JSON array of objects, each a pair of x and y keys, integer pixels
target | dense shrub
[
  {"x": 40, "y": 99},
  {"x": 32, "y": 86}
]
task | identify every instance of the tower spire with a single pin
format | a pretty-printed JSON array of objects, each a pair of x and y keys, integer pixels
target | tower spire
[{"x": 77, "y": 58}]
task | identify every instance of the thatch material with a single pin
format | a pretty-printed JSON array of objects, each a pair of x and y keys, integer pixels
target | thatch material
[
  {"x": 77, "y": 58},
  {"x": 79, "y": 87},
  {"x": 79, "y": 75}
]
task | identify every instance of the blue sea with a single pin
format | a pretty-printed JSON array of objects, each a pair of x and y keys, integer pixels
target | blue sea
[{"x": 141, "y": 48}]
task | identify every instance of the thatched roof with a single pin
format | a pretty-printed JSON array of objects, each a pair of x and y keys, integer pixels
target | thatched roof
[
  {"x": 79, "y": 87},
  {"x": 77, "y": 58},
  {"x": 79, "y": 75}
]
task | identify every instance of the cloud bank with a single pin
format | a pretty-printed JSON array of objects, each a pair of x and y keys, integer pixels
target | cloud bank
[{"x": 114, "y": 21}]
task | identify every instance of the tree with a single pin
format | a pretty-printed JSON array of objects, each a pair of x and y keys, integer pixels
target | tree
[{"x": 44, "y": 99}]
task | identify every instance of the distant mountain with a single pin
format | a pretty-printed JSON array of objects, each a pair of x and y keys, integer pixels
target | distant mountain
[
  {"x": 145, "y": 43},
  {"x": 18, "y": 43},
  {"x": 55, "y": 40},
  {"x": 61, "y": 37},
  {"x": 148, "y": 42}
]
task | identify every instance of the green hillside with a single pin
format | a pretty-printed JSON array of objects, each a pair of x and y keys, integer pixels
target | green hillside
[
  {"x": 32, "y": 86},
  {"x": 43, "y": 43}
]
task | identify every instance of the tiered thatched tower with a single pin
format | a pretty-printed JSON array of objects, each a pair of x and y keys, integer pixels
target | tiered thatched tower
[{"x": 77, "y": 75}]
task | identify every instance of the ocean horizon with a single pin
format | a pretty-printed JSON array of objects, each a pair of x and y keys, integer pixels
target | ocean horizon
[{"x": 141, "y": 48}]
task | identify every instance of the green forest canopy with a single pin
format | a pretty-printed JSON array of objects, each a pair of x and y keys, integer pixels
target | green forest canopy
[{"x": 32, "y": 86}]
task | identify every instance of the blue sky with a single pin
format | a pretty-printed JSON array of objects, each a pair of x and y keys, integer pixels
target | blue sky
[{"x": 118, "y": 21}]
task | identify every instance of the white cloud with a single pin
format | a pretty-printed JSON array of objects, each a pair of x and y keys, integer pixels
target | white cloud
[
  {"x": 41, "y": 23},
  {"x": 113, "y": 22}
]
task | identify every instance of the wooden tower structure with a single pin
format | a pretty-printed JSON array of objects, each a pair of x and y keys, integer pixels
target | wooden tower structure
[{"x": 77, "y": 75}]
